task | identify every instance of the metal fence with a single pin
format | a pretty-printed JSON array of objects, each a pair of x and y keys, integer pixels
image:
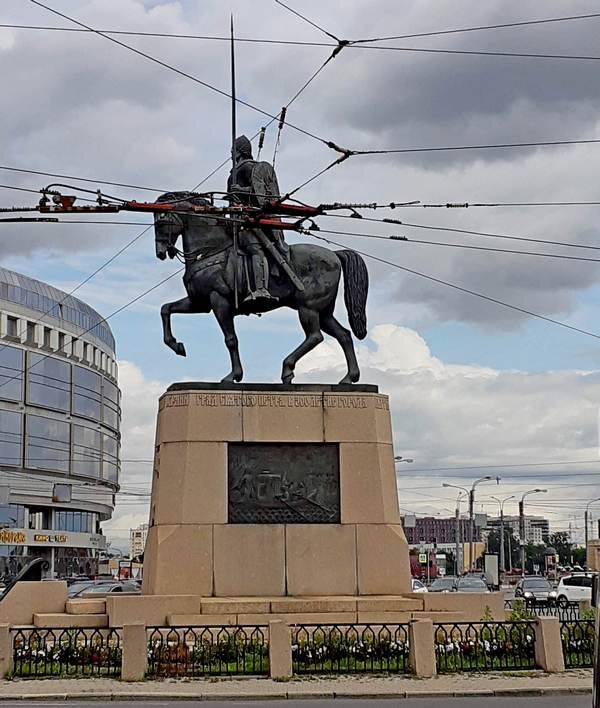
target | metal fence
[
  {"x": 578, "y": 639},
  {"x": 480, "y": 646},
  {"x": 325, "y": 648},
  {"x": 207, "y": 651},
  {"x": 569, "y": 612},
  {"x": 66, "y": 652}
]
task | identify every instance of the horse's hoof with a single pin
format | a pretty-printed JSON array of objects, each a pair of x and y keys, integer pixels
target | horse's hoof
[
  {"x": 287, "y": 379},
  {"x": 350, "y": 379},
  {"x": 233, "y": 377},
  {"x": 180, "y": 349}
]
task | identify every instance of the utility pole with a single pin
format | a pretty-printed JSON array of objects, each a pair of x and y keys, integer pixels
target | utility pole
[
  {"x": 456, "y": 538},
  {"x": 522, "y": 525},
  {"x": 501, "y": 503},
  {"x": 471, "y": 495},
  {"x": 586, "y": 524}
]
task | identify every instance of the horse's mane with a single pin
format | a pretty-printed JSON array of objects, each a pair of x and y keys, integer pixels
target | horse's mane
[{"x": 193, "y": 198}]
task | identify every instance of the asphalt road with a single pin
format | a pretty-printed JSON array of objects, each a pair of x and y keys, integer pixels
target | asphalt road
[{"x": 533, "y": 702}]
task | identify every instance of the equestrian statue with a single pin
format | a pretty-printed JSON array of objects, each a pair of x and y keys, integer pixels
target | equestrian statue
[{"x": 232, "y": 268}]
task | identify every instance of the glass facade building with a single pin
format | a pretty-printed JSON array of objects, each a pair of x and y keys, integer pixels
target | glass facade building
[{"x": 59, "y": 425}]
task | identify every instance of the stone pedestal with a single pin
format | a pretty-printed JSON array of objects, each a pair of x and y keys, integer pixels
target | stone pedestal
[{"x": 267, "y": 491}]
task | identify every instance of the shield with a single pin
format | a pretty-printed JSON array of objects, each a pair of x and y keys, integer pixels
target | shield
[{"x": 264, "y": 183}]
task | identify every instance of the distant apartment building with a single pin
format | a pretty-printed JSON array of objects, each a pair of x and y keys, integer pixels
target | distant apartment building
[
  {"x": 537, "y": 528},
  {"x": 137, "y": 540},
  {"x": 442, "y": 531}
]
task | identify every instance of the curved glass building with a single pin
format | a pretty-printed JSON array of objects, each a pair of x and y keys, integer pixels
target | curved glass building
[{"x": 59, "y": 428}]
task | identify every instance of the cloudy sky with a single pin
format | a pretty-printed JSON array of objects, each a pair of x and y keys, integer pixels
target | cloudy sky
[{"x": 477, "y": 388}]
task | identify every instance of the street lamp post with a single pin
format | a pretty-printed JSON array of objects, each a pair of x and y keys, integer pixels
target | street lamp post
[
  {"x": 471, "y": 514},
  {"x": 522, "y": 525},
  {"x": 457, "y": 534},
  {"x": 501, "y": 503},
  {"x": 586, "y": 524}
]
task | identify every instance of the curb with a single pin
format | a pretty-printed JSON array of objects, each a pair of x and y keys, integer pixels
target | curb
[{"x": 159, "y": 697}]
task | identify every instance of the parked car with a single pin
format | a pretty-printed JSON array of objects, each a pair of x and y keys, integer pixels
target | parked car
[
  {"x": 103, "y": 587},
  {"x": 535, "y": 589},
  {"x": 471, "y": 583},
  {"x": 445, "y": 584},
  {"x": 418, "y": 586},
  {"x": 574, "y": 588}
]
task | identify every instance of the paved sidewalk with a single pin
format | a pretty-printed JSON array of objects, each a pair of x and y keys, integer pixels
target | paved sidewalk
[{"x": 489, "y": 684}]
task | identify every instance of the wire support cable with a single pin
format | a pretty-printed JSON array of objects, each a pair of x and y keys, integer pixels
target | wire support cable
[
  {"x": 307, "y": 20},
  {"x": 170, "y": 67},
  {"x": 21, "y": 374},
  {"x": 462, "y": 289}
]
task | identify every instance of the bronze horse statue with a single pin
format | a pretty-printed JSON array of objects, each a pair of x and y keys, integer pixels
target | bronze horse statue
[{"x": 210, "y": 282}]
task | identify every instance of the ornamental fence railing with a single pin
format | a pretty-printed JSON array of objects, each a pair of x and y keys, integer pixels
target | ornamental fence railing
[
  {"x": 357, "y": 648},
  {"x": 481, "y": 646},
  {"x": 578, "y": 641},
  {"x": 207, "y": 651},
  {"x": 66, "y": 652},
  {"x": 568, "y": 612}
]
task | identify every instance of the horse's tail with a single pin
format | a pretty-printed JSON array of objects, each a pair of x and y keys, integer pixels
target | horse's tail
[{"x": 356, "y": 287}]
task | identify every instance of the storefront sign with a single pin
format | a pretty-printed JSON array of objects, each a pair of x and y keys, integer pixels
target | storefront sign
[{"x": 66, "y": 539}]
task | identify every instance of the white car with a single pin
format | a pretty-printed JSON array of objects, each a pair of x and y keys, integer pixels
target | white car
[
  {"x": 574, "y": 588},
  {"x": 418, "y": 586}
]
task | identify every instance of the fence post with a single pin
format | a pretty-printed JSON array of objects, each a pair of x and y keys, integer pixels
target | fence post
[
  {"x": 135, "y": 652},
  {"x": 421, "y": 642},
  {"x": 280, "y": 649},
  {"x": 6, "y": 651},
  {"x": 548, "y": 645}
]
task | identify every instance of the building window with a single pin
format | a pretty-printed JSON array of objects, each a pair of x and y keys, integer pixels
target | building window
[
  {"x": 87, "y": 454},
  {"x": 47, "y": 333},
  {"x": 48, "y": 444},
  {"x": 11, "y": 373},
  {"x": 110, "y": 411},
  {"x": 30, "y": 332},
  {"x": 61, "y": 342},
  {"x": 12, "y": 516},
  {"x": 87, "y": 393},
  {"x": 12, "y": 327},
  {"x": 11, "y": 438},
  {"x": 77, "y": 521},
  {"x": 49, "y": 382},
  {"x": 110, "y": 457}
]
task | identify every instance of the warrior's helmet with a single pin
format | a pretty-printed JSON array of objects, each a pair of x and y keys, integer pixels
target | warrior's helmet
[{"x": 243, "y": 147}]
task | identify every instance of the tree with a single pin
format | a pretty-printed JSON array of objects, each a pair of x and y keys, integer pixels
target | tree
[
  {"x": 510, "y": 542},
  {"x": 564, "y": 548}
]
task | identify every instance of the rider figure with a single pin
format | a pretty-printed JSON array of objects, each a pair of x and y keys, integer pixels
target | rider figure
[{"x": 256, "y": 183}]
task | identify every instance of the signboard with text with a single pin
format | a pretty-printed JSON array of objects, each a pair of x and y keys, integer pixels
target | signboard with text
[{"x": 66, "y": 539}]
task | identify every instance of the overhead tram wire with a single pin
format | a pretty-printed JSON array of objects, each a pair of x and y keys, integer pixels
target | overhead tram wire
[
  {"x": 405, "y": 239},
  {"x": 180, "y": 72},
  {"x": 487, "y": 234},
  {"x": 462, "y": 289}
]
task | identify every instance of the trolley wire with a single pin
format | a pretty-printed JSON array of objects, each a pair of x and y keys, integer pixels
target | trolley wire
[
  {"x": 486, "y": 234},
  {"x": 462, "y": 289},
  {"x": 405, "y": 239}
]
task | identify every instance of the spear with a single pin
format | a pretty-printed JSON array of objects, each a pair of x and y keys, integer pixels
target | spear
[{"x": 234, "y": 165}]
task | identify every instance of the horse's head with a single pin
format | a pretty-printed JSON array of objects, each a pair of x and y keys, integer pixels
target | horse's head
[{"x": 169, "y": 225}]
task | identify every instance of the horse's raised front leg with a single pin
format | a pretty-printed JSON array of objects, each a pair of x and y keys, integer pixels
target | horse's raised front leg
[
  {"x": 224, "y": 314},
  {"x": 179, "y": 307},
  {"x": 309, "y": 319},
  {"x": 331, "y": 326}
]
